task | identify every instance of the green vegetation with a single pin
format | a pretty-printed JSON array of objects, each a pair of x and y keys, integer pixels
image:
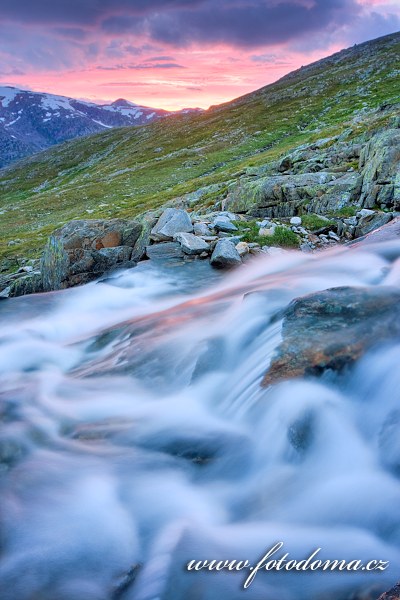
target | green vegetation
[
  {"x": 314, "y": 222},
  {"x": 283, "y": 236},
  {"x": 346, "y": 211},
  {"x": 125, "y": 172}
]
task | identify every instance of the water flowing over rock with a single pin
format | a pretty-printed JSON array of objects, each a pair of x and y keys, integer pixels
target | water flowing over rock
[
  {"x": 136, "y": 436},
  {"x": 331, "y": 330}
]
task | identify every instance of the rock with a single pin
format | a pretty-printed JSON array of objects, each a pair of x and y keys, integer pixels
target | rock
[
  {"x": 379, "y": 161},
  {"x": 191, "y": 244},
  {"x": 372, "y": 220},
  {"x": 274, "y": 250},
  {"x": 333, "y": 236},
  {"x": 139, "y": 247},
  {"x": 388, "y": 232},
  {"x": 267, "y": 232},
  {"x": 295, "y": 221},
  {"x": 242, "y": 249},
  {"x": 284, "y": 195},
  {"x": 171, "y": 222},
  {"x": 364, "y": 212},
  {"x": 224, "y": 225},
  {"x": 30, "y": 284},
  {"x": 83, "y": 250},
  {"x": 201, "y": 229},
  {"x": 5, "y": 293},
  {"x": 330, "y": 330},
  {"x": 165, "y": 251},
  {"x": 306, "y": 247},
  {"x": 392, "y": 594},
  {"x": 225, "y": 255}
]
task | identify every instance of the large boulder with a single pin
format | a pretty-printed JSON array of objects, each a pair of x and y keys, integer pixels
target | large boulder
[
  {"x": 83, "y": 250},
  {"x": 225, "y": 255},
  {"x": 171, "y": 222},
  {"x": 332, "y": 329},
  {"x": 380, "y": 164}
]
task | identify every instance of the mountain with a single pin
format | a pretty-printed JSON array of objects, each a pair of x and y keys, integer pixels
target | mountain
[
  {"x": 201, "y": 158},
  {"x": 32, "y": 121}
]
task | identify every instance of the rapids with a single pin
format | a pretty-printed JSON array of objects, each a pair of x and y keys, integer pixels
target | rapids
[{"x": 136, "y": 437}]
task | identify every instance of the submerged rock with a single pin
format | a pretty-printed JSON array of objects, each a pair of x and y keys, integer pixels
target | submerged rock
[
  {"x": 225, "y": 255},
  {"x": 330, "y": 330}
]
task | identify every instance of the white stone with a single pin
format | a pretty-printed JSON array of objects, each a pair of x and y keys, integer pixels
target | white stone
[{"x": 295, "y": 221}]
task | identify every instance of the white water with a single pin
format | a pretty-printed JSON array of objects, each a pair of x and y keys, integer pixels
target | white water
[{"x": 154, "y": 444}]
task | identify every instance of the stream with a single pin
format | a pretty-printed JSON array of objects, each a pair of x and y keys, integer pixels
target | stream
[{"x": 136, "y": 437}]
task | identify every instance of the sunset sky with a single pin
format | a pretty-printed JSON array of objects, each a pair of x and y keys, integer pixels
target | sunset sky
[{"x": 175, "y": 53}]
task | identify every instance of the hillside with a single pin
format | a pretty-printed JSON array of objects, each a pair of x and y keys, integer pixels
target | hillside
[
  {"x": 124, "y": 172},
  {"x": 34, "y": 121}
]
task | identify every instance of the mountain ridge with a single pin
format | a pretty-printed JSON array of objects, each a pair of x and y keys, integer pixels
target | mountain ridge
[
  {"x": 197, "y": 158},
  {"x": 33, "y": 121}
]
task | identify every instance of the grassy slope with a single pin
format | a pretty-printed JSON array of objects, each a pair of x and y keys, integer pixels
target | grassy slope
[{"x": 131, "y": 170}]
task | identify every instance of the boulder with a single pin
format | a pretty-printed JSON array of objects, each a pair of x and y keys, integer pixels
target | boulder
[
  {"x": 224, "y": 225},
  {"x": 201, "y": 229},
  {"x": 83, "y": 250},
  {"x": 165, "y": 251},
  {"x": 370, "y": 221},
  {"x": 225, "y": 255},
  {"x": 242, "y": 248},
  {"x": 191, "y": 244},
  {"x": 171, "y": 222},
  {"x": 295, "y": 221},
  {"x": 330, "y": 330}
]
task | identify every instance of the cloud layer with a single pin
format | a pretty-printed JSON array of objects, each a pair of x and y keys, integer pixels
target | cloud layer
[{"x": 211, "y": 41}]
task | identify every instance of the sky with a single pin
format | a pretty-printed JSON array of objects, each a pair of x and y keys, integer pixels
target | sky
[{"x": 176, "y": 53}]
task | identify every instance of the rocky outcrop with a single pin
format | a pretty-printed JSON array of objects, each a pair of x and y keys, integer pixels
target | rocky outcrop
[
  {"x": 380, "y": 165},
  {"x": 288, "y": 195},
  {"x": 330, "y": 330},
  {"x": 83, "y": 250}
]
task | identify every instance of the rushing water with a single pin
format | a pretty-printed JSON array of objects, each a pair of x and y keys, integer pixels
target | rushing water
[{"x": 136, "y": 437}]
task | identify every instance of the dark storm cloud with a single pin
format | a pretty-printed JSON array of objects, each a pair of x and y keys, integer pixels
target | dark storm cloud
[
  {"x": 245, "y": 23},
  {"x": 84, "y": 12}
]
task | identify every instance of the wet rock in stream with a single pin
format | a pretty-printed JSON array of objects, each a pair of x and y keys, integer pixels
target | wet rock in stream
[{"x": 332, "y": 329}]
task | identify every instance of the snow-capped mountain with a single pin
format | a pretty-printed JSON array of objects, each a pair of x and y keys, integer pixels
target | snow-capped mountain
[{"x": 33, "y": 121}]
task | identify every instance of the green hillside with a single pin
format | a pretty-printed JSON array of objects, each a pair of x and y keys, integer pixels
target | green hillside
[{"x": 128, "y": 171}]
